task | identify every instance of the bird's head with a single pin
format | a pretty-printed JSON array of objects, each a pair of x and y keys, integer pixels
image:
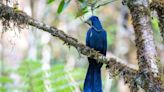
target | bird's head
[
  {"x": 88, "y": 22},
  {"x": 94, "y": 22}
]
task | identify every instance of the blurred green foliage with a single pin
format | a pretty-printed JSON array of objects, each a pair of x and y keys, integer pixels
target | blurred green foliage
[
  {"x": 63, "y": 4},
  {"x": 5, "y": 80},
  {"x": 83, "y": 5},
  {"x": 111, "y": 33},
  {"x": 50, "y": 1},
  {"x": 82, "y": 12},
  {"x": 155, "y": 24},
  {"x": 34, "y": 78},
  {"x": 156, "y": 29}
]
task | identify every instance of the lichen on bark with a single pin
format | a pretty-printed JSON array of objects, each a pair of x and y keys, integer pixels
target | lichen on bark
[{"x": 11, "y": 19}]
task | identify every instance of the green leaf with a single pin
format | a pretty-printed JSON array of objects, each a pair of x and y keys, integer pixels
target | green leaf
[
  {"x": 81, "y": 1},
  {"x": 63, "y": 4},
  {"x": 5, "y": 80},
  {"x": 50, "y": 1},
  {"x": 2, "y": 89},
  {"x": 82, "y": 12},
  {"x": 155, "y": 24}
]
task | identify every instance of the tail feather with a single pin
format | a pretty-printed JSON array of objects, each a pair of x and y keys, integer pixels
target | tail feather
[{"x": 93, "y": 78}]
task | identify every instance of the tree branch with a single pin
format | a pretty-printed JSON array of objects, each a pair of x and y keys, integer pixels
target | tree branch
[
  {"x": 115, "y": 65},
  {"x": 103, "y": 4}
]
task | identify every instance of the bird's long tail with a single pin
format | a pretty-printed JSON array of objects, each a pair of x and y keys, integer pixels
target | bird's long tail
[{"x": 93, "y": 78}]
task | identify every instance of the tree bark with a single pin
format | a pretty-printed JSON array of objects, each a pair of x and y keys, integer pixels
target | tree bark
[{"x": 146, "y": 50}]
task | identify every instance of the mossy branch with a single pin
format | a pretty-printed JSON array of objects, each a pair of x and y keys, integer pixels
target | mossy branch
[{"x": 114, "y": 64}]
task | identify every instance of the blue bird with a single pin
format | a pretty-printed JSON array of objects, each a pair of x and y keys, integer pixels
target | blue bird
[{"x": 96, "y": 39}]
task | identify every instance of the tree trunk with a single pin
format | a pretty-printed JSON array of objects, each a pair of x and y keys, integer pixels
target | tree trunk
[{"x": 146, "y": 50}]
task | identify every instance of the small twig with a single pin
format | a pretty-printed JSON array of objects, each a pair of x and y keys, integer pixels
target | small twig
[{"x": 103, "y": 4}]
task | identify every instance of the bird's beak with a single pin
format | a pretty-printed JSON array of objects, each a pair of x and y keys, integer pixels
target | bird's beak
[{"x": 88, "y": 22}]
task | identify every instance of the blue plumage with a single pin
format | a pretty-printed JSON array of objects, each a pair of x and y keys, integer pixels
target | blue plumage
[{"x": 95, "y": 38}]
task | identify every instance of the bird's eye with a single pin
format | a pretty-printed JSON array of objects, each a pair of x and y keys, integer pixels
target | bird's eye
[{"x": 95, "y": 18}]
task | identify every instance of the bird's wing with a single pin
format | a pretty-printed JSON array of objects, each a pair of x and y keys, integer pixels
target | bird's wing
[
  {"x": 105, "y": 43},
  {"x": 88, "y": 38}
]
